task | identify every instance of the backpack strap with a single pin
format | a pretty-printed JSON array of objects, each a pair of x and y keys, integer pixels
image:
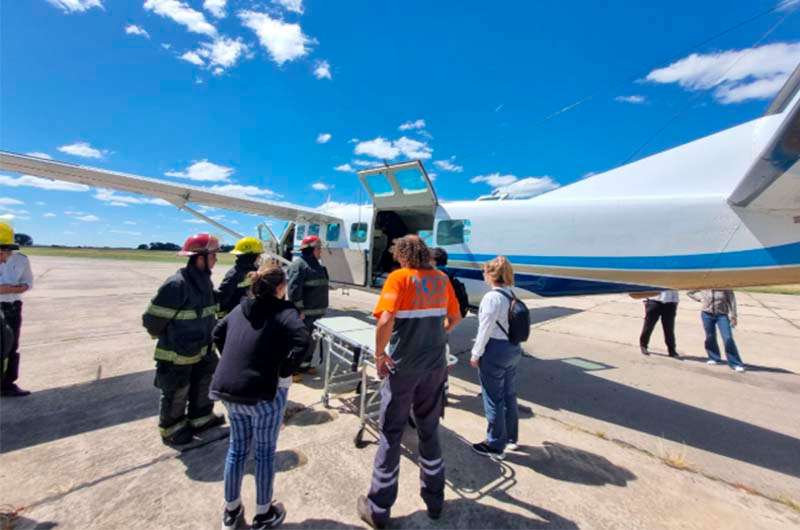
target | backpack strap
[{"x": 511, "y": 298}]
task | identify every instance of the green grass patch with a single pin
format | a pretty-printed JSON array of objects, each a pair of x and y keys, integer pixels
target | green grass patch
[
  {"x": 164, "y": 256},
  {"x": 774, "y": 289}
]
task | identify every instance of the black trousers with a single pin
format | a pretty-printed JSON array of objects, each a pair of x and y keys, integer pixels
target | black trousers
[
  {"x": 12, "y": 313},
  {"x": 183, "y": 385},
  {"x": 654, "y": 310}
]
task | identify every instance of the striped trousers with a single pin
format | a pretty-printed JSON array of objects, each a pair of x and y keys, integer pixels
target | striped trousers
[{"x": 261, "y": 422}]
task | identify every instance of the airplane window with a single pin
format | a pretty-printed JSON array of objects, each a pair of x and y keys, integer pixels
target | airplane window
[
  {"x": 301, "y": 232},
  {"x": 332, "y": 234},
  {"x": 313, "y": 230},
  {"x": 411, "y": 181},
  {"x": 453, "y": 232},
  {"x": 358, "y": 232},
  {"x": 426, "y": 236},
  {"x": 380, "y": 185}
]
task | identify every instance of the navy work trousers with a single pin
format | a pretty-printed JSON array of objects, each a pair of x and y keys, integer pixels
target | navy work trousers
[{"x": 400, "y": 393}]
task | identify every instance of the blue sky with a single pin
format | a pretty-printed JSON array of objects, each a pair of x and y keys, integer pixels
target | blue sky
[{"x": 277, "y": 99}]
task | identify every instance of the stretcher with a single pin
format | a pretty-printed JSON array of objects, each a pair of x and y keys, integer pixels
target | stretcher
[{"x": 348, "y": 352}]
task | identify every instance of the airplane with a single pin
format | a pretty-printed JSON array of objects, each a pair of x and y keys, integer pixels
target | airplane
[{"x": 722, "y": 211}]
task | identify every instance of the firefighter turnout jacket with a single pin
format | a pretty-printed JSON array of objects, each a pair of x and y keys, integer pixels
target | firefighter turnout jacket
[
  {"x": 235, "y": 284},
  {"x": 308, "y": 285},
  {"x": 182, "y": 316}
]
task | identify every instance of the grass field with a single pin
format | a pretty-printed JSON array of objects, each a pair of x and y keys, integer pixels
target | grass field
[{"x": 117, "y": 253}]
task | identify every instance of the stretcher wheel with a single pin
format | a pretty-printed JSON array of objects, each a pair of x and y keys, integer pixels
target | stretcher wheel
[
  {"x": 359, "y": 439},
  {"x": 326, "y": 402}
]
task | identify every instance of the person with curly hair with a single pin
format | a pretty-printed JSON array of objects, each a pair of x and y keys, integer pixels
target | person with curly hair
[{"x": 416, "y": 310}]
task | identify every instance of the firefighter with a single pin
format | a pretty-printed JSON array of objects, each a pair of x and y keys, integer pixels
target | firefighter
[
  {"x": 308, "y": 288},
  {"x": 234, "y": 286},
  {"x": 182, "y": 316},
  {"x": 15, "y": 278}
]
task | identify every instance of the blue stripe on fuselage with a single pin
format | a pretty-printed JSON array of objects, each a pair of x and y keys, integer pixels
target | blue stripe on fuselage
[
  {"x": 788, "y": 254},
  {"x": 552, "y": 286}
]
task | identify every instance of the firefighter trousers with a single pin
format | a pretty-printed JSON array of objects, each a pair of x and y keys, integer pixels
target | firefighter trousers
[
  {"x": 400, "y": 393},
  {"x": 185, "y": 387}
]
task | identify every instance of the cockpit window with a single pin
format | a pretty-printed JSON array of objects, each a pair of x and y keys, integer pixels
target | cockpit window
[
  {"x": 358, "y": 232},
  {"x": 453, "y": 232},
  {"x": 300, "y": 232}
]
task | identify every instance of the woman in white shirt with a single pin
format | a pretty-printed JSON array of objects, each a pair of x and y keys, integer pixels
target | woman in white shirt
[{"x": 496, "y": 359}]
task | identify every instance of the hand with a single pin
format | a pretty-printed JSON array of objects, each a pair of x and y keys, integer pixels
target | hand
[
  {"x": 302, "y": 316},
  {"x": 384, "y": 364},
  {"x": 475, "y": 362},
  {"x": 734, "y": 321}
]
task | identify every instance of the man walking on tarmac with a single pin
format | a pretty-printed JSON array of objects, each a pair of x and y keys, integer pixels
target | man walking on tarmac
[
  {"x": 416, "y": 310},
  {"x": 15, "y": 278},
  {"x": 234, "y": 286},
  {"x": 182, "y": 316},
  {"x": 308, "y": 288}
]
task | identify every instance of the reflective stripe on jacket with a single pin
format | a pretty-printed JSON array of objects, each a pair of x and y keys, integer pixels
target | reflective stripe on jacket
[{"x": 182, "y": 316}]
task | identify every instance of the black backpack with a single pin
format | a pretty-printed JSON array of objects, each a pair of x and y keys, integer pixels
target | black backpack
[
  {"x": 461, "y": 294},
  {"x": 519, "y": 319}
]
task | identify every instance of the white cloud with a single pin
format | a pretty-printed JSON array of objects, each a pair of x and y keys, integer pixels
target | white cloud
[
  {"x": 43, "y": 184},
  {"x": 76, "y": 6},
  {"x": 324, "y": 138},
  {"x": 217, "y": 71},
  {"x": 735, "y": 75},
  {"x": 321, "y": 186},
  {"x": 635, "y": 99},
  {"x": 7, "y": 216},
  {"x": 494, "y": 180},
  {"x": 411, "y": 125},
  {"x": 788, "y": 5},
  {"x": 125, "y": 232},
  {"x": 41, "y": 203},
  {"x": 203, "y": 170},
  {"x": 166, "y": 45},
  {"x": 322, "y": 70},
  {"x": 222, "y": 52},
  {"x": 88, "y": 218},
  {"x": 347, "y": 168},
  {"x": 449, "y": 165},
  {"x": 365, "y": 163},
  {"x": 8, "y": 201},
  {"x": 49, "y": 215},
  {"x": 413, "y": 148},
  {"x": 194, "y": 221},
  {"x": 517, "y": 188},
  {"x": 215, "y": 7},
  {"x": 389, "y": 150},
  {"x": 378, "y": 148},
  {"x": 295, "y": 6},
  {"x": 180, "y": 12},
  {"x": 133, "y": 29},
  {"x": 194, "y": 58},
  {"x": 37, "y": 154},
  {"x": 243, "y": 191},
  {"x": 130, "y": 223},
  {"x": 116, "y": 199},
  {"x": 82, "y": 149},
  {"x": 283, "y": 41}
]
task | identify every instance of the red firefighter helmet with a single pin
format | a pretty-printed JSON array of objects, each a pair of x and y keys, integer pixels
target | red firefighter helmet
[
  {"x": 199, "y": 244},
  {"x": 310, "y": 242}
]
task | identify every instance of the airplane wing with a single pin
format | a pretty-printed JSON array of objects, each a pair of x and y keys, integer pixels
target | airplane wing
[
  {"x": 177, "y": 194},
  {"x": 773, "y": 181}
]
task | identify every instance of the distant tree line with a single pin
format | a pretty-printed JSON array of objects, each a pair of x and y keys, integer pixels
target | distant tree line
[
  {"x": 157, "y": 245},
  {"x": 23, "y": 240}
]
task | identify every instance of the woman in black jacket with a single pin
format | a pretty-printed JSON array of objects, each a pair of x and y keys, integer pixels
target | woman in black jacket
[{"x": 262, "y": 341}]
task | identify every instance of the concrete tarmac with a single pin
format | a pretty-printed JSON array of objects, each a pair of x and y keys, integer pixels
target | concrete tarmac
[{"x": 609, "y": 438}]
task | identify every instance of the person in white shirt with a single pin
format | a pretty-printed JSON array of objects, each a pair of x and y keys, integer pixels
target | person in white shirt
[
  {"x": 496, "y": 359},
  {"x": 16, "y": 277},
  {"x": 664, "y": 307}
]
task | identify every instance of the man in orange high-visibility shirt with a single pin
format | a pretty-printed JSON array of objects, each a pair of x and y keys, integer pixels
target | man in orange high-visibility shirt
[{"x": 416, "y": 310}]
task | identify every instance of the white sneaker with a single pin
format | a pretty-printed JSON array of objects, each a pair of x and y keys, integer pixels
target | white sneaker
[
  {"x": 712, "y": 362},
  {"x": 512, "y": 446},
  {"x": 740, "y": 369}
]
